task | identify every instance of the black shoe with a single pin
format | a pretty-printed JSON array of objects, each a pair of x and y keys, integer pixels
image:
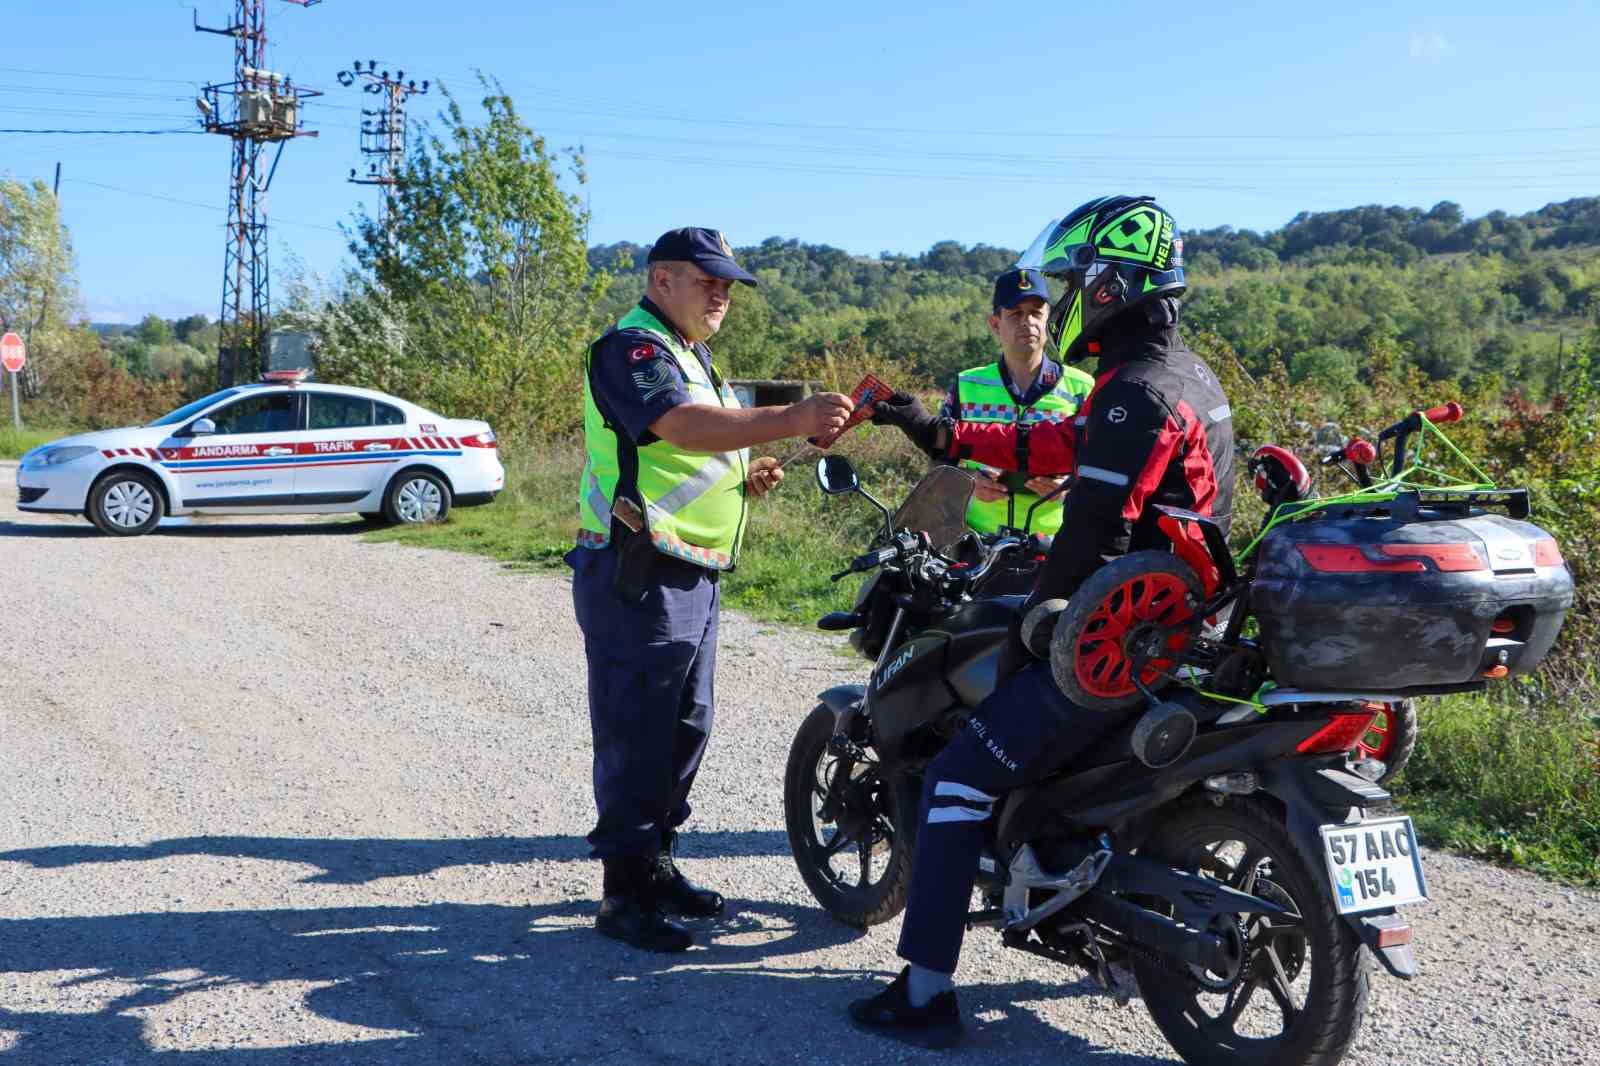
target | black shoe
[
  {"x": 890, "y": 1013},
  {"x": 635, "y": 919},
  {"x": 677, "y": 894}
]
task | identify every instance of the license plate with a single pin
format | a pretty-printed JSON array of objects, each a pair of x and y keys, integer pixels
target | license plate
[{"x": 1373, "y": 864}]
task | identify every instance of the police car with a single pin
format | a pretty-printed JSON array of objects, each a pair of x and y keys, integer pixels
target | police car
[{"x": 282, "y": 446}]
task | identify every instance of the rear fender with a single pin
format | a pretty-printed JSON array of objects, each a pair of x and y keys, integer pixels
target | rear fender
[{"x": 1315, "y": 793}]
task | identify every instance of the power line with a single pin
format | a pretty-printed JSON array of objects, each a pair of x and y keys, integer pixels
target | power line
[
  {"x": 141, "y": 133},
  {"x": 623, "y": 108},
  {"x": 190, "y": 203}
]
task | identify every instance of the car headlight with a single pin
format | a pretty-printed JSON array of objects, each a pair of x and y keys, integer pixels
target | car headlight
[{"x": 47, "y": 457}]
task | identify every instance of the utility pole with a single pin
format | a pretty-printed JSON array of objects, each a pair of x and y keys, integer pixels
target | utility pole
[
  {"x": 383, "y": 133},
  {"x": 261, "y": 108}
]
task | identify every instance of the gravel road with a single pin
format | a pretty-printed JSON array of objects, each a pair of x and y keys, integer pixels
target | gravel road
[{"x": 272, "y": 794}]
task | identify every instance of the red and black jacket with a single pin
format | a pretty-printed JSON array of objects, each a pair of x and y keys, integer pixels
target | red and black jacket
[{"x": 1155, "y": 430}]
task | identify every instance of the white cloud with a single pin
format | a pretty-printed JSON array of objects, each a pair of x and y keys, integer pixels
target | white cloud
[{"x": 1431, "y": 45}]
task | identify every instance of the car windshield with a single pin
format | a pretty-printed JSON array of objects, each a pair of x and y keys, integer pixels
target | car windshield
[
  {"x": 938, "y": 506},
  {"x": 189, "y": 409}
]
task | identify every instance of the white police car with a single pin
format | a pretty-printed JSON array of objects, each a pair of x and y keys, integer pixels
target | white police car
[{"x": 283, "y": 446}]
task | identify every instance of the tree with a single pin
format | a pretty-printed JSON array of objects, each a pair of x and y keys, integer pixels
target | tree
[
  {"x": 483, "y": 266},
  {"x": 37, "y": 287}
]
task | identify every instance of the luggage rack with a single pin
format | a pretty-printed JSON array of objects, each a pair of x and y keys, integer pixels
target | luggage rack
[{"x": 1407, "y": 506}]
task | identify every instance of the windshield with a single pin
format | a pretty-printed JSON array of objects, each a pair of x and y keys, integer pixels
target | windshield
[
  {"x": 1033, "y": 258},
  {"x": 187, "y": 410},
  {"x": 938, "y": 507}
]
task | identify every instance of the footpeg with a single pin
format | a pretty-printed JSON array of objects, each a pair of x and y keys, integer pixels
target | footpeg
[{"x": 1027, "y": 875}]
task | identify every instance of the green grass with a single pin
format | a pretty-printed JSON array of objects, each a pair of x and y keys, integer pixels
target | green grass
[
  {"x": 795, "y": 538},
  {"x": 1512, "y": 776},
  {"x": 13, "y": 443}
]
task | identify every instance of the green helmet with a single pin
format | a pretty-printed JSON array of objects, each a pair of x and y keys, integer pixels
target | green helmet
[{"x": 1115, "y": 253}]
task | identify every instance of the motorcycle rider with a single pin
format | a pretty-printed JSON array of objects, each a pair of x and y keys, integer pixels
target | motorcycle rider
[{"x": 1155, "y": 430}]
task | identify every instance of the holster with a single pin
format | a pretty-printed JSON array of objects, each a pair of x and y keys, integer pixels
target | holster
[{"x": 636, "y": 562}]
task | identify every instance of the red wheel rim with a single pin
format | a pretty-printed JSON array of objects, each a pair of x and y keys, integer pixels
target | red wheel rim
[
  {"x": 1102, "y": 667},
  {"x": 1378, "y": 741}
]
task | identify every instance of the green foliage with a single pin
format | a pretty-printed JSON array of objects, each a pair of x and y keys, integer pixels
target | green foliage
[
  {"x": 15, "y": 443},
  {"x": 1511, "y": 777},
  {"x": 477, "y": 298},
  {"x": 38, "y": 291}
]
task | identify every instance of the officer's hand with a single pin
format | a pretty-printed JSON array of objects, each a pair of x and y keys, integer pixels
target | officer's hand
[
  {"x": 987, "y": 490},
  {"x": 1044, "y": 486},
  {"x": 765, "y": 473},
  {"x": 820, "y": 413}
]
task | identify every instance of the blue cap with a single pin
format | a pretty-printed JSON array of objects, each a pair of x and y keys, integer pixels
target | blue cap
[
  {"x": 1016, "y": 285},
  {"x": 707, "y": 249}
]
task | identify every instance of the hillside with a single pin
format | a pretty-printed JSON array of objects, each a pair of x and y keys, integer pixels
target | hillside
[{"x": 1462, "y": 297}]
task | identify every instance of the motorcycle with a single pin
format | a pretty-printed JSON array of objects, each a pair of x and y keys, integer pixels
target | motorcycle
[{"x": 1227, "y": 859}]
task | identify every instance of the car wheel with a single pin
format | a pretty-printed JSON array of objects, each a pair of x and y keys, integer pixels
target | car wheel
[
  {"x": 125, "y": 503},
  {"x": 416, "y": 497}
]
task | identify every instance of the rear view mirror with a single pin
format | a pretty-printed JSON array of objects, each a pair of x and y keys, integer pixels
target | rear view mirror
[
  {"x": 836, "y": 476},
  {"x": 201, "y": 427}
]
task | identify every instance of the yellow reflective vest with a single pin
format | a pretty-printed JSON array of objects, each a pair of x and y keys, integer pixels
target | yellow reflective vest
[
  {"x": 982, "y": 396},
  {"x": 693, "y": 503}
]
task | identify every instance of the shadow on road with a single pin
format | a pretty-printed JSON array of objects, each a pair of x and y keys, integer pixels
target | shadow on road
[
  {"x": 183, "y": 527},
  {"x": 460, "y": 983},
  {"x": 357, "y": 861}
]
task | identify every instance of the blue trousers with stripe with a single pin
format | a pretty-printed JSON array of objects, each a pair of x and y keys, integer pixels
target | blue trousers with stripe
[
  {"x": 651, "y": 668},
  {"x": 1022, "y": 732}
]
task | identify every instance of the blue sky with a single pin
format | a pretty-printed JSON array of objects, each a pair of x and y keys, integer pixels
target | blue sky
[{"x": 868, "y": 126}]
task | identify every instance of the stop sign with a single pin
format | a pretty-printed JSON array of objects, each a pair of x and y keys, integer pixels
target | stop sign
[{"x": 13, "y": 353}]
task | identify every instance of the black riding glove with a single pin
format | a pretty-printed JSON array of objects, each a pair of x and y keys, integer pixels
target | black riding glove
[{"x": 906, "y": 413}]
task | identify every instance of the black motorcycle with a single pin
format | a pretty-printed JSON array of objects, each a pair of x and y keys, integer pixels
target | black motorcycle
[{"x": 1226, "y": 860}]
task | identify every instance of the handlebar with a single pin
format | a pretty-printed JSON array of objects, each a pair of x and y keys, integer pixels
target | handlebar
[
  {"x": 1445, "y": 412},
  {"x": 1356, "y": 451},
  {"x": 996, "y": 550}
]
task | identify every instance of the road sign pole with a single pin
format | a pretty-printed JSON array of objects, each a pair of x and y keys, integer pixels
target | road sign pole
[{"x": 13, "y": 357}]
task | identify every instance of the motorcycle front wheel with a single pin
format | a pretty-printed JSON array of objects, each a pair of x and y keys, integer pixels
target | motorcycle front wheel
[
  {"x": 1299, "y": 996},
  {"x": 847, "y": 835}
]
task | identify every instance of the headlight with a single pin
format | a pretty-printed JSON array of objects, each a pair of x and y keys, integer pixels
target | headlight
[{"x": 47, "y": 457}]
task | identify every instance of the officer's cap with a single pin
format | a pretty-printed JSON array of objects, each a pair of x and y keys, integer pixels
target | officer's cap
[
  {"x": 1016, "y": 285},
  {"x": 707, "y": 249}
]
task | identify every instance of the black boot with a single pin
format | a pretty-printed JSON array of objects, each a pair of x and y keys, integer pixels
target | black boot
[
  {"x": 630, "y": 912},
  {"x": 936, "y": 1024},
  {"x": 675, "y": 892}
]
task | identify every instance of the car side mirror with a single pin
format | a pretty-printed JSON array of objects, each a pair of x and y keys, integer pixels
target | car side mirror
[
  {"x": 201, "y": 427},
  {"x": 835, "y": 475}
]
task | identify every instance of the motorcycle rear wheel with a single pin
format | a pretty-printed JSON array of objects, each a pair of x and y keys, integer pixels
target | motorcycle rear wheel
[
  {"x": 856, "y": 861},
  {"x": 1302, "y": 993},
  {"x": 1390, "y": 739}
]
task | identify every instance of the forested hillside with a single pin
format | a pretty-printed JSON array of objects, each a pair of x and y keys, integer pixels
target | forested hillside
[{"x": 1462, "y": 298}]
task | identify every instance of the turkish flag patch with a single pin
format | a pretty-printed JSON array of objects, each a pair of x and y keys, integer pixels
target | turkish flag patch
[{"x": 640, "y": 353}]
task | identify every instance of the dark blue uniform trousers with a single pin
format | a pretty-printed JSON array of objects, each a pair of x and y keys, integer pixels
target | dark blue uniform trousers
[
  {"x": 1022, "y": 732},
  {"x": 651, "y": 668}
]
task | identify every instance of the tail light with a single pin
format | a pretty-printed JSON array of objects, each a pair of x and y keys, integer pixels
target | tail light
[
  {"x": 480, "y": 440},
  {"x": 1546, "y": 552},
  {"x": 1394, "y": 558},
  {"x": 1340, "y": 734}
]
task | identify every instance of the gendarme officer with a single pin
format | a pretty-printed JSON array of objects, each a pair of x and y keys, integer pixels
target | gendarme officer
[
  {"x": 661, "y": 505},
  {"x": 1023, "y": 386}
]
